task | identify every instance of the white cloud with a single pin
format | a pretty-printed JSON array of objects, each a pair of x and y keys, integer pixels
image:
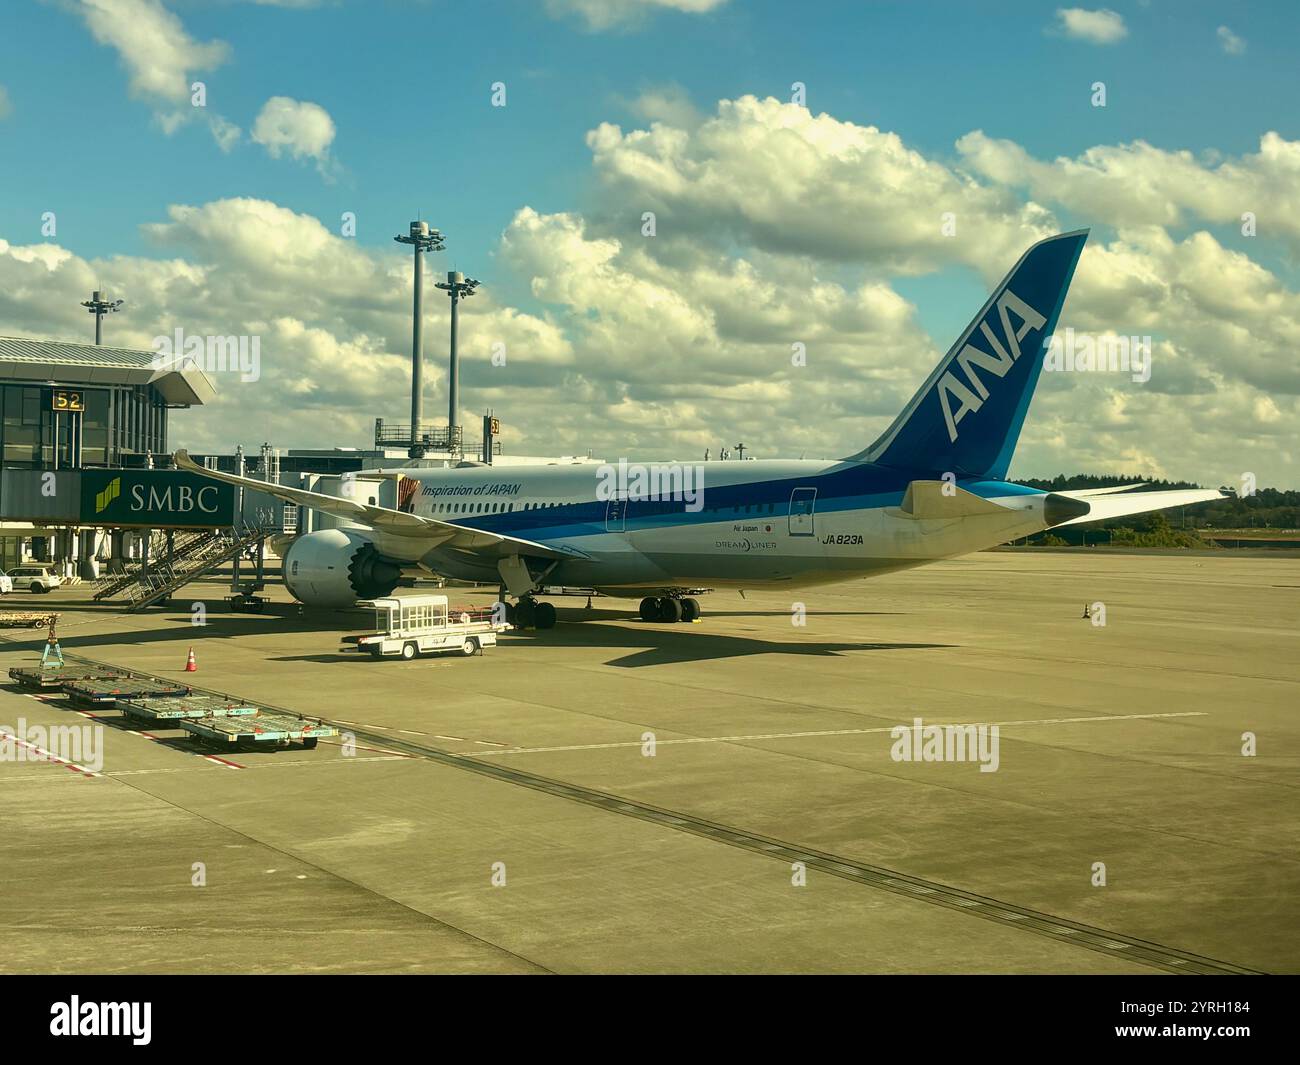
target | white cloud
[
  {"x": 611, "y": 14},
  {"x": 772, "y": 175},
  {"x": 302, "y": 129},
  {"x": 226, "y": 134},
  {"x": 334, "y": 321},
  {"x": 670, "y": 104},
  {"x": 161, "y": 59},
  {"x": 776, "y": 228},
  {"x": 1232, "y": 44},
  {"x": 1103, "y": 26},
  {"x": 1137, "y": 184}
]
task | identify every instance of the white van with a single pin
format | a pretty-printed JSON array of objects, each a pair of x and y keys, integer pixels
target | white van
[{"x": 412, "y": 625}]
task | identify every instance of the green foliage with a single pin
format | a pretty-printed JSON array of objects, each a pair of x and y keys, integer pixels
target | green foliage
[
  {"x": 1268, "y": 508},
  {"x": 1156, "y": 534}
]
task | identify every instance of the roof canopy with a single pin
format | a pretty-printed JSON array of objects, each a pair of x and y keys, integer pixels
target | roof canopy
[{"x": 58, "y": 362}]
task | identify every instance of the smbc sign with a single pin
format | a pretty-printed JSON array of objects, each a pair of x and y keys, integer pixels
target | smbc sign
[{"x": 155, "y": 498}]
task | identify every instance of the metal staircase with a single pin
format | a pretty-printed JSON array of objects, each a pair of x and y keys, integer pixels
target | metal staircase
[
  {"x": 109, "y": 585},
  {"x": 201, "y": 553}
]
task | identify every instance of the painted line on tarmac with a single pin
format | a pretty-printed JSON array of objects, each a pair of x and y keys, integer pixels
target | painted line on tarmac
[
  {"x": 362, "y": 747},
  {"x": 278, "y": 764},
  {"x": 1058, "y": 929},
  {"x": 828, "y": 732},
  {"x": 40, "y": 754}
]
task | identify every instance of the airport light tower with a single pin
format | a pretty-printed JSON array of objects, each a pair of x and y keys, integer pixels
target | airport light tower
[
  {"x": 422, "y": 239},
  {"x": 98, "y": 306},
  {"x": 459, "y": 287}
]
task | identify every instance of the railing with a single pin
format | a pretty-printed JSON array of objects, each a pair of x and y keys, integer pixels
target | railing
[
  {"x": 110, "y": 584},
  {"x": 432, "y": 437},
  {"x": 170, "y": 575},
  {"x": 193, "y": 554}
]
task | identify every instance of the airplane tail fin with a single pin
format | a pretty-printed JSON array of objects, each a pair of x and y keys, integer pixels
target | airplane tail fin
[{"x": 966, "y": 418}]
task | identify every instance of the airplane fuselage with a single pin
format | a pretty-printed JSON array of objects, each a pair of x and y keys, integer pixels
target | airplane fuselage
[{"x": 739, "y": 524}]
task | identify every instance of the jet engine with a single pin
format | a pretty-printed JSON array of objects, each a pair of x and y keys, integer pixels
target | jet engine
[{"x": 336, "y": 567}]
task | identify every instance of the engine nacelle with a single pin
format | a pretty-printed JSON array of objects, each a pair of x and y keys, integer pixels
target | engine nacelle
[{"x": 336, "y": 567}]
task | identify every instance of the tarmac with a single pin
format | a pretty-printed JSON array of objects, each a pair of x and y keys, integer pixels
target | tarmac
[{"x": 621, "y": 796}]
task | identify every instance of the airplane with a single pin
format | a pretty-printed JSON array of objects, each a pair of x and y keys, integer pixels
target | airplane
[{"x": 932, "y": 486}]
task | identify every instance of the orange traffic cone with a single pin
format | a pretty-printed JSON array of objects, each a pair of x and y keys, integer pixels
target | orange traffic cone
[{"x": 190, "y": 666}]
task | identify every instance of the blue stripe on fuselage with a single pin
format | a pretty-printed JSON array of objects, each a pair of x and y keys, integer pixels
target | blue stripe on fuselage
[{"x": 860, "y": 486}]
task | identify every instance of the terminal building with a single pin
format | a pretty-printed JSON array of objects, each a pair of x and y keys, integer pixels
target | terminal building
[
  {"x": 88, "y": 489},
  {"x": 68, "y": 406},
  {"x": 72, "y": 414}
]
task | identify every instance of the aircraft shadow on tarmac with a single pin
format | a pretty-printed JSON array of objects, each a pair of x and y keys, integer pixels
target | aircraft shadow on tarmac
[
  {"x": 786, "y": 613},
  {"x": 649, "y": 643},
  {"x": 654, "y": 644},
  {"x": 694, "y": 643}
]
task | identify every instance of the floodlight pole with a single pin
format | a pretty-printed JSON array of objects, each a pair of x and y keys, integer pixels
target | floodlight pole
[
  {"x": 98, "y": 306},
  {"x": 422, "y": 239},
  {"x": 458, "y": 287}
]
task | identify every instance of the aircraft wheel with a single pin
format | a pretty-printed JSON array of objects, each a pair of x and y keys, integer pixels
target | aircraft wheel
[
  {"x": 544, "y": 616},
  {"x": 525, "y": 614},
  {"x": 690, "y": 609},
  {"x": 670, "y": 610},
  {"x": 649, "y": 609}
]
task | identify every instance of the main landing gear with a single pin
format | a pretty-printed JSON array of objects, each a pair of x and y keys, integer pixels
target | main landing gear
[
  {"x": 669, "y": 609},
  {"x": 528, "y": 613}
]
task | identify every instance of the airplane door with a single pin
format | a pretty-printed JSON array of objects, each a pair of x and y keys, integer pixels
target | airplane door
[
  {"x": 803, "y": 501},
  {"x": 615, "y": 514}
]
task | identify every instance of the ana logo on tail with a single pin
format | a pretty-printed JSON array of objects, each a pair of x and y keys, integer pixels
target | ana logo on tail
[{"x": 972, "y": 398}]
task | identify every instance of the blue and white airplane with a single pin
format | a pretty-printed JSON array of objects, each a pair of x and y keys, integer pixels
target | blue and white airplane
[{"x": 933, "y": 486}]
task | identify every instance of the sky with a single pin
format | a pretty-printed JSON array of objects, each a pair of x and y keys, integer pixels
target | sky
[{"x": 846, "y": 180}]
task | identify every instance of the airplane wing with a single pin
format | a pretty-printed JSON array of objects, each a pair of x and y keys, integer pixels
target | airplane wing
[
  {"x": 1106, "y": 503},
  {"x": 435, "y": 533},
  {"x": 1088, "y": 493}
]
